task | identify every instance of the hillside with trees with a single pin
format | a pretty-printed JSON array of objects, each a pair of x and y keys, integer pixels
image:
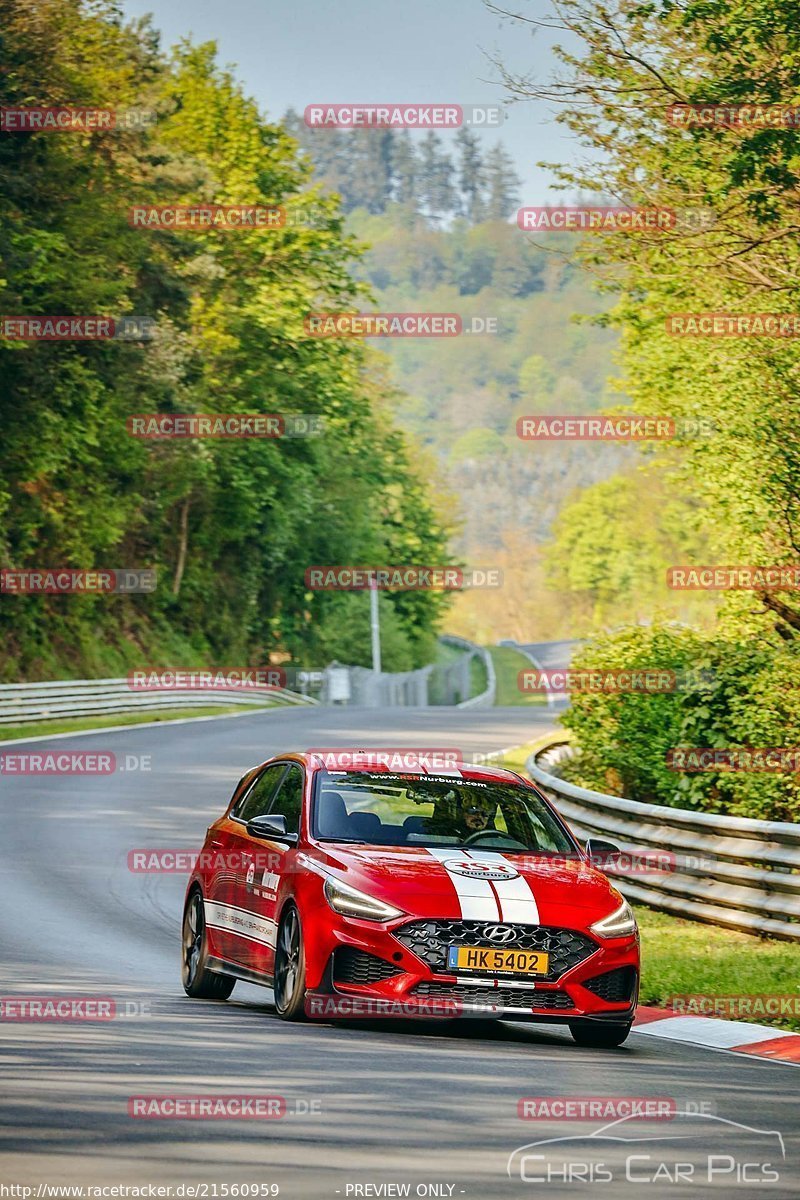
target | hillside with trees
[
  {"x": 229, "y": 526},
  {"x": 552, "y": 352}
]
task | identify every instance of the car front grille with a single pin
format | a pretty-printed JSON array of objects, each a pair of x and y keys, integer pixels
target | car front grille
[
  {"x": 522, "y": 998},
  {"x": 614, "y": 986},
  {"x": 429, "y": 941},
  {"x": 351, "y": 965}
]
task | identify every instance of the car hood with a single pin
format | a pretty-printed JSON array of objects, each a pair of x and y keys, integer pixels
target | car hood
[{"x": 476, "y": 885}]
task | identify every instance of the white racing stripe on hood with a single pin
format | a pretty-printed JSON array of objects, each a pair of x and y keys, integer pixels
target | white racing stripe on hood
[
  {"x": 517, "y": 900},
  {"x": 477, "y": 900}
]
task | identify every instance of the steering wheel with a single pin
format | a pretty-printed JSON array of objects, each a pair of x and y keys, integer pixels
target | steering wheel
[{"x": 493, "y": 833}]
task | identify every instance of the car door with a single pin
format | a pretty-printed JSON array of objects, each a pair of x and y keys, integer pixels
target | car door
[
  {"x": 270, "y": 863},
  {"x": 238, "y": 930}
]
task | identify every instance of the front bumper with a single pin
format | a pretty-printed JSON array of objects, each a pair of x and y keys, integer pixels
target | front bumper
[{"x": 402, "y": 968}]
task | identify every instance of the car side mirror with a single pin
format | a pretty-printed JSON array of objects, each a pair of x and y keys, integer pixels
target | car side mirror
[
  {"x": 271, "y": 827},
  {"x": 602, "y": 854}
]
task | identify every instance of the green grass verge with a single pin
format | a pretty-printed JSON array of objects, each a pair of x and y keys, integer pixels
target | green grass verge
[
  {"x": 446, "y": 655},
  {"x": 507, "y": 665},
  {"x": 43, "y": 728},
  {"x": 686, "y": 957}
]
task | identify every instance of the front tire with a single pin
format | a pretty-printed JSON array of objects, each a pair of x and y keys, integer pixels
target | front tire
[
  {"x": 198, "y": 981},
  {"x": 289, "y": 984},
  {"x": 601, "y": 1037}
]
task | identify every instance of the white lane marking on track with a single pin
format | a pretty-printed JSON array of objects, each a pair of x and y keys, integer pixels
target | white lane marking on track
[{"x": 710, "y": 1031}]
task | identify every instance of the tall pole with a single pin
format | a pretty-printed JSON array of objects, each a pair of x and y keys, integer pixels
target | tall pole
[{"x": 376, "y": 629}]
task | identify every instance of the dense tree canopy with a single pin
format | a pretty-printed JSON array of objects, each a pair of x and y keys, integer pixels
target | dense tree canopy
[{"x": 230, "y": 526}]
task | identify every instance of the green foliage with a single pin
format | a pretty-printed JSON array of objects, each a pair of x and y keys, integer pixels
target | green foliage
[
  {"x": 731, "y": 249},
  {"x": 230, "y": 526},
  {"x": 729, "y": 694},
  {"x": 624, "y": 737},
  {"x": 613, "y": 543},
  {"x": 507, "y": 665}
]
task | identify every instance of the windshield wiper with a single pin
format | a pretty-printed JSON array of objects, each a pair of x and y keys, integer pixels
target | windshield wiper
[{"x": 348, "y": 841}]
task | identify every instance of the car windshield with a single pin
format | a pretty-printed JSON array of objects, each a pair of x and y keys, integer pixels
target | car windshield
[{"x": 379, "y": 809}]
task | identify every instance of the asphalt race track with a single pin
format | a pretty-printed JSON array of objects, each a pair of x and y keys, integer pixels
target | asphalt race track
[{"x": 429, "y": 1108}]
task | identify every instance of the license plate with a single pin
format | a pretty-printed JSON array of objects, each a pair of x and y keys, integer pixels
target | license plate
[{"x": 487, "y": 958}]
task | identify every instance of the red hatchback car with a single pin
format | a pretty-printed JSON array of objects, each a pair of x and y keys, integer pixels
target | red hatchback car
[{"x": 445, "y": 892}]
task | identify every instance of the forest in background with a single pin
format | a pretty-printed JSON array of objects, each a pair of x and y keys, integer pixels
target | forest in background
[
  {"x": 229, "y": 526},
  {"x": 573, "y": 561}
]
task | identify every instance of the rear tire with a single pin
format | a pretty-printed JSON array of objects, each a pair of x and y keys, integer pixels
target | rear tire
[
  {"x": 198, "y": 981},
  {"x": 601, "y": 1037},
  {"x": 289, "y": 984}
]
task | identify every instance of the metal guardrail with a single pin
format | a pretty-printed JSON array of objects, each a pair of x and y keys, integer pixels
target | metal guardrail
[
  {"x": 733, "y": 871},
  {"x": 21, "y": 703},
  {"x": 486, "y": 698}
]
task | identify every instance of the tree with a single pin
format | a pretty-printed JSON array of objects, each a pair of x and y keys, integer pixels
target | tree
[
  {"x": 437, "y": 191},
  {"x": 406, "y": 174},
  {"x": 471, "y": 175},
  {"x": 502, "y": 184}
]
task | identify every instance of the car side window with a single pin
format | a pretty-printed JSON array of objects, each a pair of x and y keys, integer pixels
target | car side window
[
  {"x": 257, "y": 800},
  {"x": 288, "y": 799}
]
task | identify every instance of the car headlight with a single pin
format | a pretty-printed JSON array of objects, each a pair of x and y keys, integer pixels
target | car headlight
[
  {"x": 351, "y": 903},
  {"x": 620, "y": 923}
]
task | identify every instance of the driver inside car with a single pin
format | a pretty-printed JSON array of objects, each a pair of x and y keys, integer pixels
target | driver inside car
[{"x": 477, "y": 815}]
